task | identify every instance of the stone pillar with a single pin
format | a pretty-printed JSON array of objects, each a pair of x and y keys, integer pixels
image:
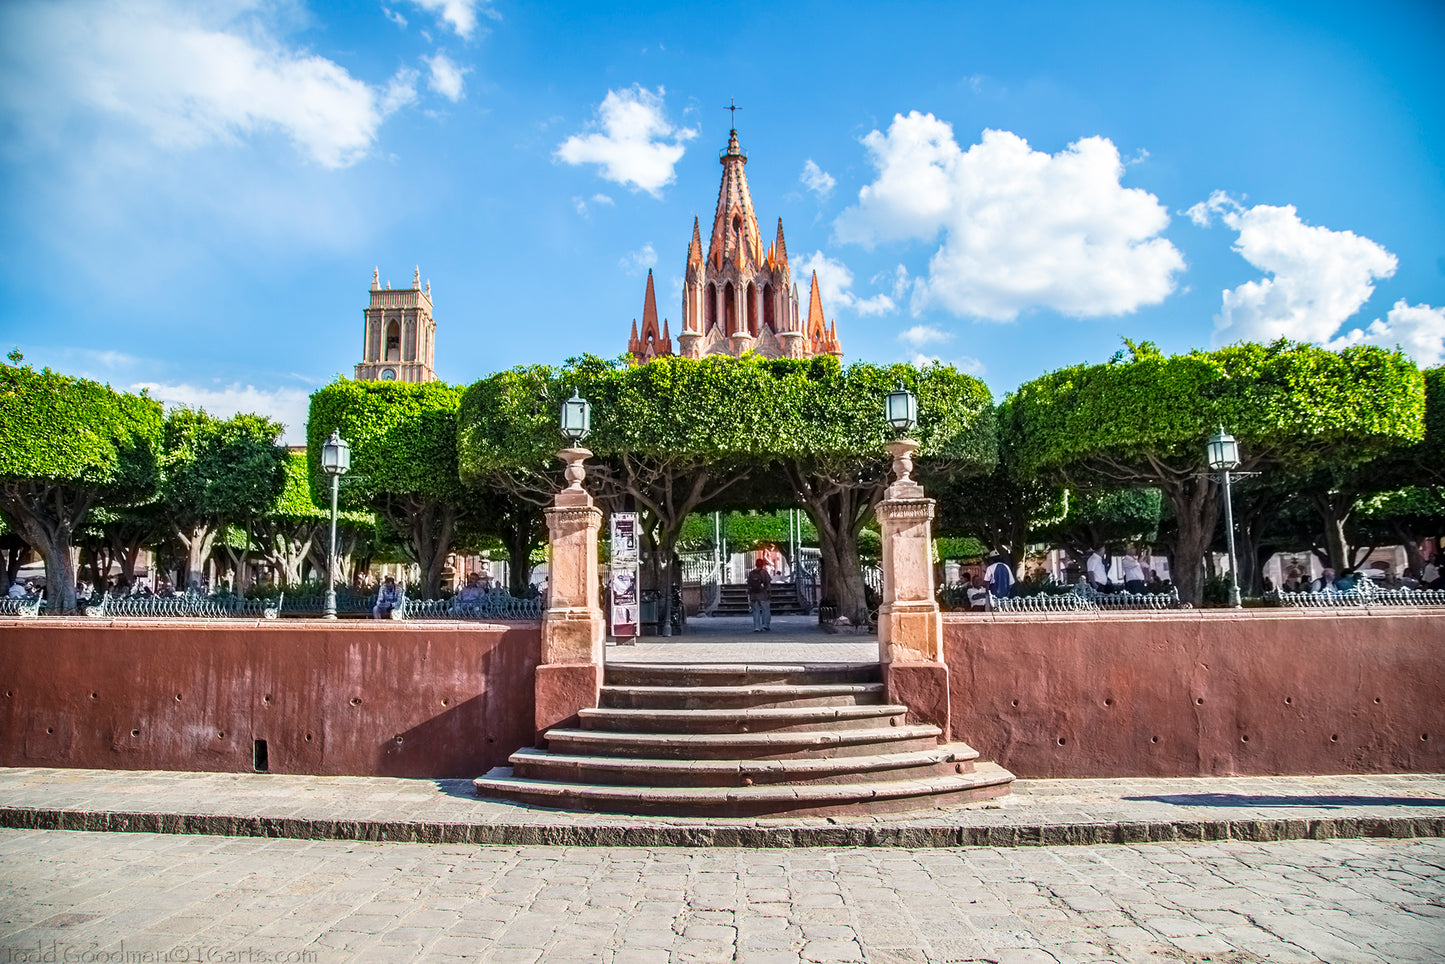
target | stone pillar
[
  {"x": 569, "y": 676},
  {"x": 910, "y": 626}
]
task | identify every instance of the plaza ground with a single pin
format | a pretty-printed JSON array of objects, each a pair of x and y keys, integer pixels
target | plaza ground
[{"x": 217, "y": 898}]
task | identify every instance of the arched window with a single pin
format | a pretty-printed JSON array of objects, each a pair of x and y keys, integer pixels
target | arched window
[
  {"x": 737, "y": 233},
  {"x": 769, "y": 316},
  {"x": 393, "y": 340},
  {"x": 752, "y": 308},
  {"x": 711, "y": 309},
  {"x": 730, "y": 307}
]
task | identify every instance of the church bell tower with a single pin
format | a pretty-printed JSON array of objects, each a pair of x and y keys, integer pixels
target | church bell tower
[{"x": 399, "y": 335}]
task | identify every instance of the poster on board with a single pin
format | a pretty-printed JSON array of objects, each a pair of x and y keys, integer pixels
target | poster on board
[{"x": 622, "y": 575}]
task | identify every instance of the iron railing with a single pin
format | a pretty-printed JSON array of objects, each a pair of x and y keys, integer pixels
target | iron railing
[
  {"x": 25, "y": 607},
  {"x": 1365, "y": 594},
  {"x": 184, "y": 606},
  {"x": 492, "y": 607}
]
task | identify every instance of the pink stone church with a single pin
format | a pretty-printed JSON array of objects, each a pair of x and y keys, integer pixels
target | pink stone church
[{"x": 739, "y": 298}]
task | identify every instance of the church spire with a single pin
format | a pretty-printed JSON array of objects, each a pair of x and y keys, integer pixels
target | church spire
[
  {"x": 734, "y": 226},
  {"x": 694, "y": 247},
  {"x": 780, "y": 247},
  {"x": 648, "y": 343}
]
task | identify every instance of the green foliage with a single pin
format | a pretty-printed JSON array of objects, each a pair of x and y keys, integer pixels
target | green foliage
[
  {"x": 1284, "y": 402},
  {"x": 76, "y": 432},
  {"x": 296, "y": 503},
  {"x": 960, "y": 547},
  {"x": 220, "y": 468},
  {"x": 744, "y": 531},
  {"x": 721, "y": 410},
  {"x": 1107, "y": 517},
  {"x": 402, "y": 438}
]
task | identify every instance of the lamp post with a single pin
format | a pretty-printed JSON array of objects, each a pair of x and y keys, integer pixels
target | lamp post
[
  {"x": 1222, "y": 452},
  {"x": 336, "y": 461}
]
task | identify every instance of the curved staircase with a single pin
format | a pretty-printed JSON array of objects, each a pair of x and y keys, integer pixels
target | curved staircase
[{"x": 739, "y": 740}]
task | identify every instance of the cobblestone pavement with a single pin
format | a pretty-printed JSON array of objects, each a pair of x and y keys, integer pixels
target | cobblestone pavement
[{"x": 146, "y": 897}]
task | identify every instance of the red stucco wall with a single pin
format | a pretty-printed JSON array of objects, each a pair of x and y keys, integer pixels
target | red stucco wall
[
  {"x": 393, "y": 699},
  {"x": 1177, "y": 694}
]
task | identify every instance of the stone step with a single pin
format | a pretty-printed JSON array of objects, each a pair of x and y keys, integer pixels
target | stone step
[
  {"x": 793, "y": 719},
  {"x": 756, "y": 695},
  {"x": 770, "y": 745},
  {"x": 740, "y": 674},
  {"x": 534, "y": 764},
  {"x": 985, "y": 781}
]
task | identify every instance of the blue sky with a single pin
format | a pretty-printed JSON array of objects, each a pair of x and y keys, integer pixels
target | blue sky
[{"x": 195, "y": 192}]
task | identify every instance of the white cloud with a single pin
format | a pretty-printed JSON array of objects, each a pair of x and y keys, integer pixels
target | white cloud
[
  {"x": 1418, "y": 330},
  {"x": 185, "y": 74},
  {"x": 835, "y": 284},
  {"x": 637, "y": 262},
  {"x": 460, "y": 15},
  {"x": 817, "y": 180},
  {"x": 446, "y": 76},
  {"x": 580, "y": 203},
  {"x": 1020, "y": 228},
  {"x": 289, "y": 406},
  {"x": 920, "y": 335},
  {"x": 1320, "y": 277},
  {"x": 636, "y": 144},
  {"x": 394, "y": 17}
]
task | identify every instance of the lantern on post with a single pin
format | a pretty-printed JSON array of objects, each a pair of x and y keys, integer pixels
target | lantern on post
[
  {"x": 336, "y": 462},
  {"x": 900, "y": 408},
  {"x": 576, "y": 418},
  {"x": 1222, "y": 453}
]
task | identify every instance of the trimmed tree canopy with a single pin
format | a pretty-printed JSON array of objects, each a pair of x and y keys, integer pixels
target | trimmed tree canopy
[
  {"x": 66, "y": 445},
  {"x": 403, "y": 440},
  {"x": 1144, "y": 420},
  {"x": 680, "y": 435}
]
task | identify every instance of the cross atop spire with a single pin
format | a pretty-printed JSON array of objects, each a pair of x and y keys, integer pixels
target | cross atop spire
[{"x": 733, "y": 106}]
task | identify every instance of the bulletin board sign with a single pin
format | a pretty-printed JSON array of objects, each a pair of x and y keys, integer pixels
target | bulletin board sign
[{"x": 622, "y": 575}]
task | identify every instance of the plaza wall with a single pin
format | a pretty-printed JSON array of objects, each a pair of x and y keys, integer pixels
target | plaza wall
[
  {"x": 1201, "y": 693},
  {"x": 328, "y": 698}
]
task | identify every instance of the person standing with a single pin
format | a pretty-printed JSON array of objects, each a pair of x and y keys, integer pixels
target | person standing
[
  {"x": 999, "y": 575},
  {"x": 1097, "y": 571},
  {"x": 759, "y": 603},
  {"x": 1133, "y": 573}
]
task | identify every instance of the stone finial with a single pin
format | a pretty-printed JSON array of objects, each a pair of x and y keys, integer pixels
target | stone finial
[
  {"x": 575, "y": 471},
  {"x": 428, "y": 287},
  {"x": 376, "y": 278},
  {"x": 903, "y": 487},
  {"x": 416, "y": 277}
]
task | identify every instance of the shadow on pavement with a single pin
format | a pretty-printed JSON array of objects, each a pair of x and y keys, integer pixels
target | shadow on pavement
[{"x": 1249, "y": 800}]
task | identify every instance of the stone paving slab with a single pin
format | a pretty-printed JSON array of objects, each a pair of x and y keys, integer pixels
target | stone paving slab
[{"x": 1038, "y": 812}]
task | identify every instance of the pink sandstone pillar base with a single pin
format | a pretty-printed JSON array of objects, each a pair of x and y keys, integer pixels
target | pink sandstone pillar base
[
  {"x": 573, "y": 628},
  {"x": 910, "y": 626}
]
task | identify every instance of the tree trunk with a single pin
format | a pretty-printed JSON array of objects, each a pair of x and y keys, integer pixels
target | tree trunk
[
  {"x": 1196, "y": 512},
  {"x": 430, "y": 525},
  {"x": 47, "y": 517},
  {"x": 1334, "y": 509},
  {"x": 198, "y": 539},
  {"x": 838, "y": 513}
]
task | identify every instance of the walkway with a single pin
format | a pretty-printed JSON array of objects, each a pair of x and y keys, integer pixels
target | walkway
[
  {"x": 730, "y": 639},
  {"x": 1036, "y": 812}
]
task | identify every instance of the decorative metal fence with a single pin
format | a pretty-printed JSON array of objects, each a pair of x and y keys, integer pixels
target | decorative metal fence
[
  {"x": 25, "y": 607},
  {"x": 1365, "y": 594},
  {"x": 348, "y": 602},
  {"x": 492, "y": 607},
  {"x": 1067, "y": 602},
  {"x": 1131, "y": 600},
  {"x": 183, "y": 606}
]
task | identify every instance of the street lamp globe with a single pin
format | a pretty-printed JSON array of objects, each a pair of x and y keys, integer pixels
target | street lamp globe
[
  {"x": 900, "y": 408},
  {"x": 1222, "y": 451},
  {"x": 335, "y": 454},
  {"x": 576, "y": 418}
]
